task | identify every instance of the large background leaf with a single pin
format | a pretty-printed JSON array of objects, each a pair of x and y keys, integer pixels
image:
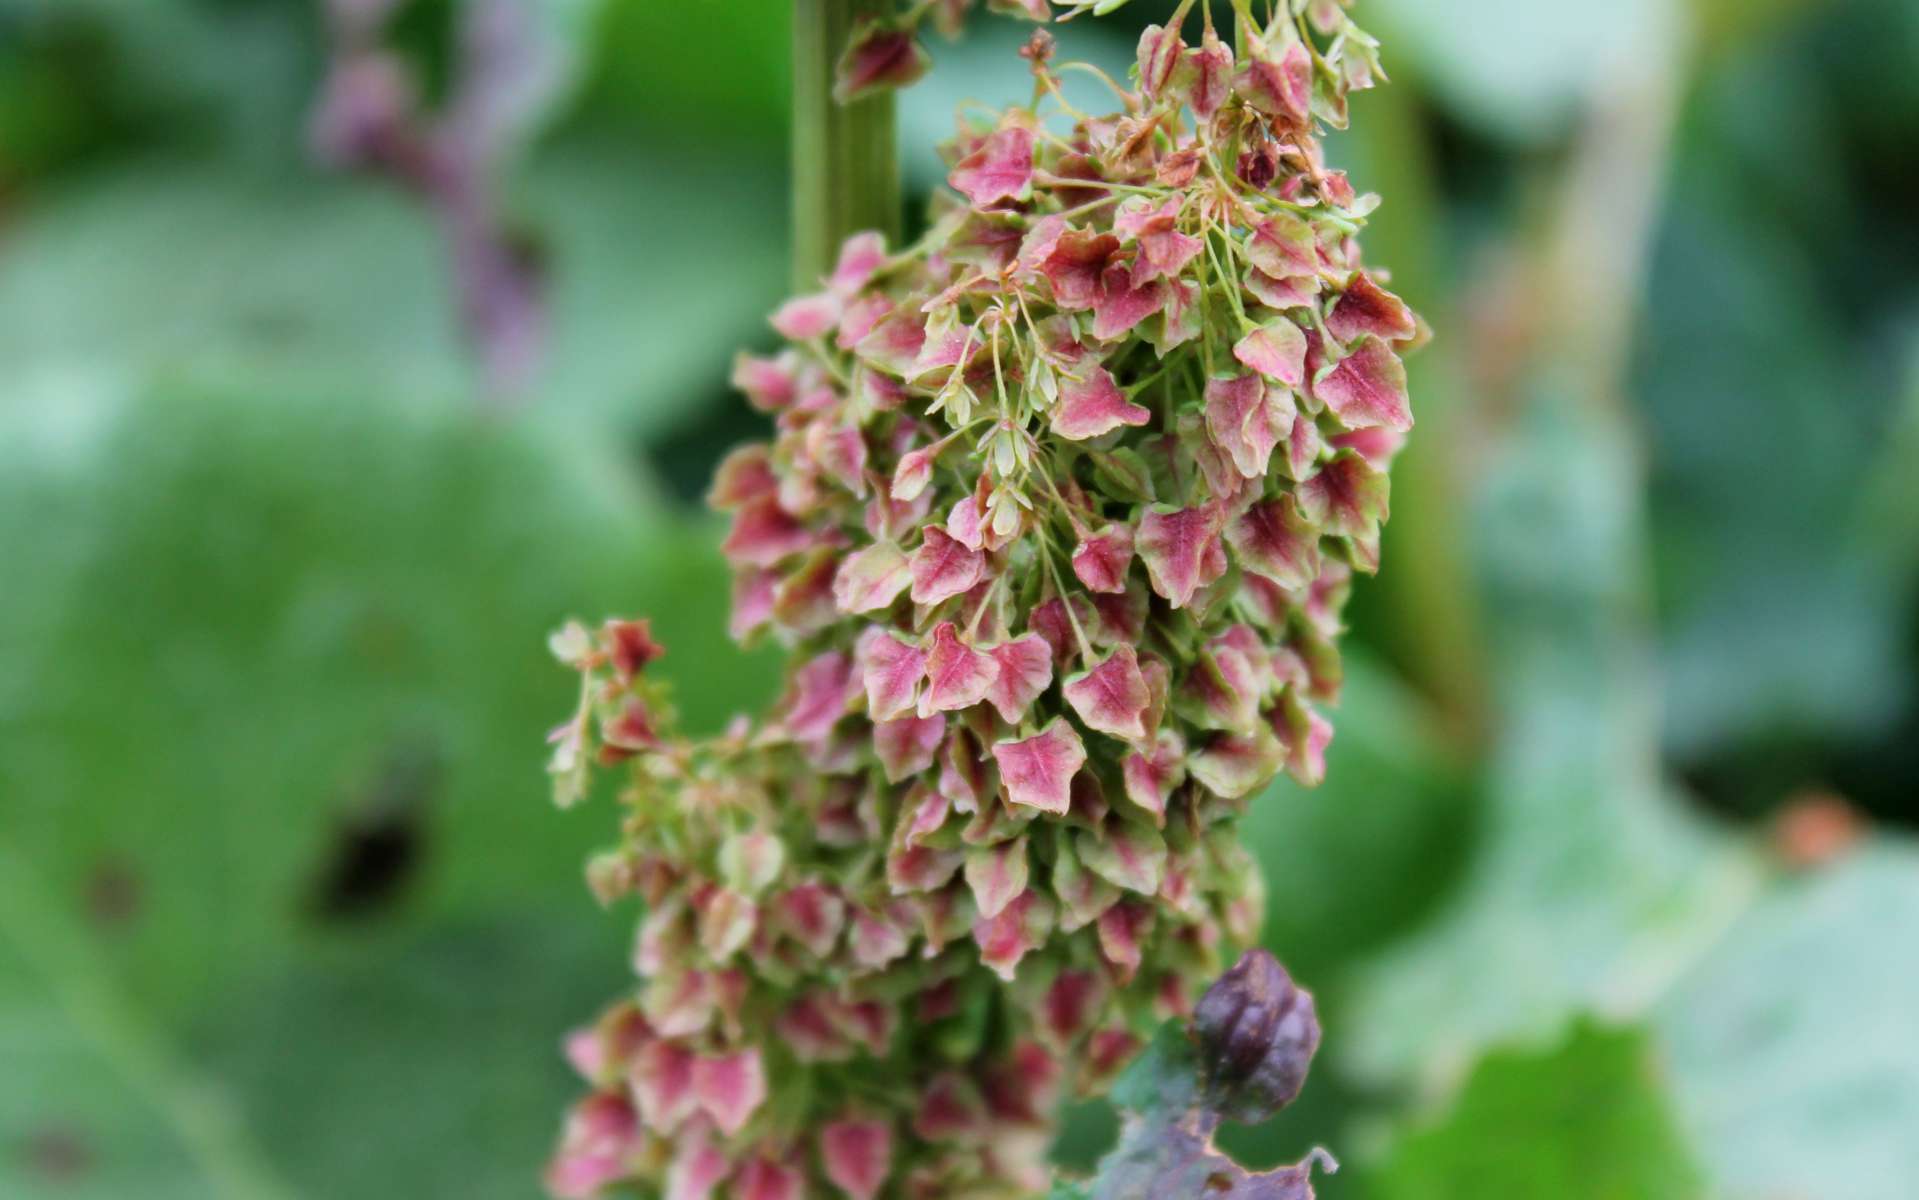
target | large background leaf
[{"x": 1584, "y": 1119}]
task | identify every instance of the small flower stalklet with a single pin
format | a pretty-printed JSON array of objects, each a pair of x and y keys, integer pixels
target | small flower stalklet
[{"x": 1058, "y": 516}]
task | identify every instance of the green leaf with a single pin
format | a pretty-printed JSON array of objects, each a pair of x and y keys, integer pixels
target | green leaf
[
  {"x": 428, "y": 1065},
  {"x": 1792, "y": 1046},
  {"x": 1586, "y": 1119},
  {"x": 647, "y": 317},
  {"x": 243, "y": 631},
  {"x": 1780, "y": 1008},
  {"x": 94, "y": 1103},
  {"x": 243, "y": 635},
  {"x": 1368, "y": 852},
  {"x": 1164, "y": 1080},
  {"x": 325, "y": 1082},
  {"x": 1517, "y": 68},
  {"x": 1590, "y": 886},
  {"x": 722, "y": 69},
  {"x": 1783, "y": 616},
  {"x": 218, "y": 274}
]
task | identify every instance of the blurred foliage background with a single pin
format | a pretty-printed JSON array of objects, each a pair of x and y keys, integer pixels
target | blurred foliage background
[{"x": 1611, "y": 891}]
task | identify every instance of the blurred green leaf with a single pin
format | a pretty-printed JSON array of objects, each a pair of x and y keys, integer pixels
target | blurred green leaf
[
  {"x": 94, "y": 1104},
  {"x": 247, "y": 639},
  {"x": 1586, "y": 1119},
  {"x": 1364, "y": 855},
  {"x": 327, "y": 1081},
  {"x": 210, "y": 269},
  {"x": 1519, "y": 69},
  {"x": 1889, "y": 520},
  {"x": 1792, "y": 1045},
  {"x": 243, "y": 633},
  {"x": 429, "y": 1066},
  {"x": 1590, "y": 886},
  {"x": 216, "y": 272},
  {"x": 1780, "y": 1008},
  {"x": 664, "y": 263},
  {"x": 690, "y": 72},
  {"x": 1780, "y": 622},
  {"x": 234, "y": 74}
]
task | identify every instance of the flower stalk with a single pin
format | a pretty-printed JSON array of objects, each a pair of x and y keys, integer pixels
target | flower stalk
[{"x": 845, "y": 157}]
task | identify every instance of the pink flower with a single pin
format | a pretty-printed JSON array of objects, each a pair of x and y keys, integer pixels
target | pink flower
[
  {"x": 1093, "y": 406},
  {"x": 1276, "y": 350},
  {"x": 768, "y": 382},
  {"x": 1025, "y": 669},
  {"x": 744, "y": 475},
  {"x": 766, "y": 1179},
  {"x": 1282, "y": 86},
  {"x": 943, "y": 567},
  {"x": 881, "y": 56},
  {"x": 1366, "y": 308},
  {"x": 958, "y": 676},
  {"x": 729, "y": 1087},
  {"x": 1175, "y": 545},
  {"x": 1101, "y": 560},
  {"x": 1163, "y": 249},
  {"x": 857, "y": 1154},
  {"x": 891, "y": 672},
  {"x": 1345, "y": 496},
  {"x": 905, "y": 746},
  {"x": 596, "y": 1148},
  {"x": 1112, "y": 697},
  {"x": 808, "y": 316},
  {"x": 1015, "y": 931},
  {"x": 1001, "y": 748},
  {"x": 1076, "y": 267},
  {"x": 1272, "y": 539},
  {"x": 1284, "y": 246},
  {"x": 1001, "y": 169},
  {"x": 950, "y": 1110},
  {"x": 1367, "y": 387},
  {"x": 1069, "y": 1007},
  {"x": 1038, "y": 771},
  {"x": 860, "y": 256},
  {"x": 1211, "y": 80},
  {"x": 1128, "y": 856},
  {"x": 871, "y": 578},
  {"x": 1122, "y": 929},
  {"x": 1152, "y": 774},
  {"x": 1246, "y": 418},
  {"x": 996, "y": 874}
]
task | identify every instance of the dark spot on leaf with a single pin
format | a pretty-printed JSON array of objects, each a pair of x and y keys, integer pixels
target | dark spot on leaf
[
  {"x": 56, "y": 1154},
  {"x": 113, "y": 893},
  {"x": 377, "y": 848}
]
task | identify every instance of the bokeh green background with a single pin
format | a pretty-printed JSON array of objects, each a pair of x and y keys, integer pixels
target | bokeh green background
[{"x": 284, "y": 911}]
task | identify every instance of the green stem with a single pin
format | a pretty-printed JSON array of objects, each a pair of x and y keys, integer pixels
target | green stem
[{"x": 845, "y": 162}]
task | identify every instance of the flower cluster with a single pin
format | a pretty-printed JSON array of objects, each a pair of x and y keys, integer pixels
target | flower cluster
[
  {"x": 886, "y": 52},
  {"x": 1059, "y": 515}
]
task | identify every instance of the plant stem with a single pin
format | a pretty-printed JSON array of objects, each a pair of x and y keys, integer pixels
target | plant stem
[{"x": 845, "y": 161}]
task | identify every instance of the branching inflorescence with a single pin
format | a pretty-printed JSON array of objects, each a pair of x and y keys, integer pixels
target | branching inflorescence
[{"x": 1059, "y": 515}]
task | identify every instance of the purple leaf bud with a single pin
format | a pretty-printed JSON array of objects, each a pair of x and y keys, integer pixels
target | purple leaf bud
[{"x": 1257, "y": 1033}]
